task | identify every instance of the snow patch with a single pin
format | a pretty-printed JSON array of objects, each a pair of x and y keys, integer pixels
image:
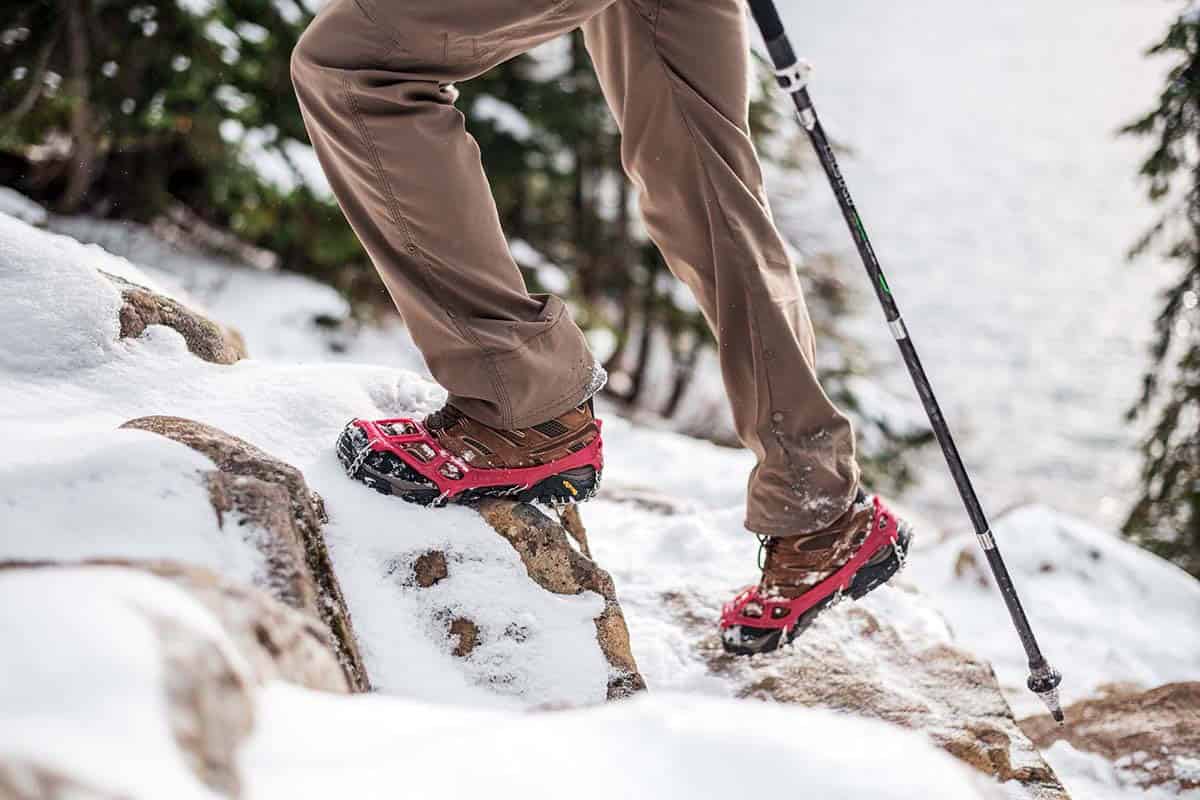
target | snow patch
[
  {"x": 83, "y": 677},
  {"x": 21, "y": 207},
  {"x": 1104, "y": 610},
  {"x": 666, "y": 746}
]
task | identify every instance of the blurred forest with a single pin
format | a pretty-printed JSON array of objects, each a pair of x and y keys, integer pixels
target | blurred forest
[
  {"x": 1166, "y": 518},
  {"x": 180, "y": 114}
]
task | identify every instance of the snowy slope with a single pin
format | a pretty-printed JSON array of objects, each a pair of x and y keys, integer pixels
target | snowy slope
[
  {"x": 72, "y": 486},
  {"x": 1106, "y": 611},
  {"x": 88, "y": 668},
  {"x": 667, "y": 523}
]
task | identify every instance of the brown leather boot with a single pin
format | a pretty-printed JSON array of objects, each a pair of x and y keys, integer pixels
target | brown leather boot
[
  {"x": 450, "y": 457},
  {"x": 803, "y": 575},
  {"x": 492, "y": 448},
  {"x": 792, "y": 565}
]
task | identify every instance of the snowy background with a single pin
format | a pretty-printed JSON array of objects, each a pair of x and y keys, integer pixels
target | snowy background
[
  {"x": 986, "y": 166},
  {"x": 1001, "y": 204}
]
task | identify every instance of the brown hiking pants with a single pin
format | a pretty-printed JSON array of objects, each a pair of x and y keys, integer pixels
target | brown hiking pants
[{"x": 374, "y": 81}]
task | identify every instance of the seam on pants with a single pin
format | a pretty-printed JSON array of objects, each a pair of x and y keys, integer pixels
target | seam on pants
[
  {"x": 751, "y": 296},
  {"x": 399, "y": 220}
]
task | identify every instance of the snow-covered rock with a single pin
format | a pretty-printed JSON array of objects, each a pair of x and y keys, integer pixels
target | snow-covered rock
[
  {"x": 274, "y": 498},
  {"x": 97, "y": 492},
  {"x": 890, "y": 658},
  {"x": 127, "y": 686},
  {"x": 1152, "y": 738},
  {"x": 142, "y": 307},
  {"x": 106, "y": 657},
  {"x": 656, "y": 746},
  {"x": 558, "y": 567},
  {"x": 434, "y": 593}
]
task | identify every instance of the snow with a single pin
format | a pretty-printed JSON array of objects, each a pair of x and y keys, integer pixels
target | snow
[
  {"x": 503, "y": 115},
  {"x": 82, "y": 674},
  {"x": 1104, "y": 610},
  {"x": 85, "y": 382},
  {"x": 660, "y": 746},
  {"x": 70, "y": 496},
  {"x": 981, "y": 151},
  {"x": 17, "y": 205},
  {"x": 303, "y": 321},
  {"x": 1089, "y": 776},
  {"x": 90, "y": 667},
  {"x": 68, "y": 381},
  {"x": 44, "y": 330}
]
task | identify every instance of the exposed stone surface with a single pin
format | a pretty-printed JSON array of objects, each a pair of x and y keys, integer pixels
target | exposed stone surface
[
  {"x": 853, "y": 661},
  {"x": 206, "y": 339},
  {"x": 286, "y": 517},
  {"x": 558, "y": 567},
  {"x": 278, "y": 642},
  {"x": 572, "y": 522},
  {"x": 467, "y": 633},
  {"x": 430, "y": 568},
  {"x": 263, "y": 512},
  {"x": 1152, "y": 736}
]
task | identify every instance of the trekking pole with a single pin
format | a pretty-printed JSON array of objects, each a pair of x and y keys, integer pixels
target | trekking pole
[{"x": 792, "y": 76}]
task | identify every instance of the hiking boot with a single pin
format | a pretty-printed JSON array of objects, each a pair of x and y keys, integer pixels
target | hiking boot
[
  {"x": 450, "y": 457},
  {"x": 803, "y": 575}
]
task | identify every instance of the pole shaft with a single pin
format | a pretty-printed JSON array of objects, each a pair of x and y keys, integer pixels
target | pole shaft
[{"x": 786, "y": 66}]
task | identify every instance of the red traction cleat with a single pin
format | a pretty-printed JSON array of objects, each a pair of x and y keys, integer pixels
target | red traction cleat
[
  {"x": 754, "y": 622},
  {"x": 403, "y": 457}
]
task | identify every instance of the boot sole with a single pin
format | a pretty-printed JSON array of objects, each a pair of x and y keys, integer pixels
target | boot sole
[
  {"x": 868, "y": 578},
  {"x": 387, "y": 474}
]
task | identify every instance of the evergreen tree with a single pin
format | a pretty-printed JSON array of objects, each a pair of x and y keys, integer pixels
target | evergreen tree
[{"x": 1166, "y": 518}]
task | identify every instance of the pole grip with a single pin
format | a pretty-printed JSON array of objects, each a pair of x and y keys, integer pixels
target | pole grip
[{"x": 766, "y": 16}]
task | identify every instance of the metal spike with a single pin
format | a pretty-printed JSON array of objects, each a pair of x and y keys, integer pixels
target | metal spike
[{"x": 1043, "y": 681}]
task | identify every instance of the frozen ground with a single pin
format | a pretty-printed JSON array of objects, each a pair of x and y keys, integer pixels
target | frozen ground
[
  {"x": 1118, "y": 616},
  {"x": 72, "y": 486},
  {"x": 90, "y": 666}
]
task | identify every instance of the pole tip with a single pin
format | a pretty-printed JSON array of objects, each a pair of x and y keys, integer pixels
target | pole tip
[{"x": 1043, "y": 681}]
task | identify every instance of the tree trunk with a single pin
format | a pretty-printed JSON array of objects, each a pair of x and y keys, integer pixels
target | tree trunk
[
  {"x": 638, "y": 378},
  {"x": 685, "y": 370},
  {"x": 83, "y": 135}
]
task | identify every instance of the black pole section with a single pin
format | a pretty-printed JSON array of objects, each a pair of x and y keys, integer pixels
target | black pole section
[{"x": 792, "y": 76}]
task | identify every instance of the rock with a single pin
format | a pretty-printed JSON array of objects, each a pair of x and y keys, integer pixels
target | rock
[
  {"x": 264, "y": 511},
  {"x": 556, "y": 566},
  {"x": 277, "y": 641},
  {"x": 853, "y": 660},
  {"x": 285, "y": 516},
  {"x": 208, "y": 688},
  {"x": 430, "y": 568},
  {"x": 1153, "y": 737},
  {"x": 572, "y": 523},
  {"x": 206, "y": 339},
  {"x": 21, "y": 779},
  {"x": 467, "y": 633}
]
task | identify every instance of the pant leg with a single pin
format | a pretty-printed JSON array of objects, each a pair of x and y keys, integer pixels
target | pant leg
[
  {"x": 675, "y": 73},
  {"x": 373, "y": 79}
]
